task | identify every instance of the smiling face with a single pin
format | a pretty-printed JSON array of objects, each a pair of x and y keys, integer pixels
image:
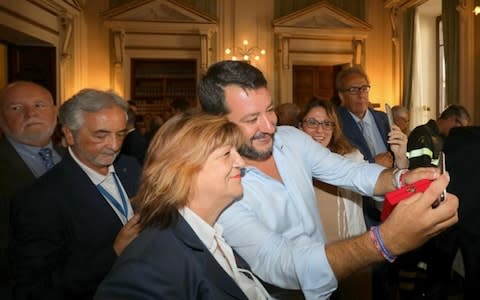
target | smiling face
[
  {"x": 98, "y": 141},
  {"x": 219, "y": 178},
  {"x": 253, "y": 111},
  {"x": 320, "y": 133},
  {"x": 355, "y": 102},
  {"x": 27, "y": 113}
]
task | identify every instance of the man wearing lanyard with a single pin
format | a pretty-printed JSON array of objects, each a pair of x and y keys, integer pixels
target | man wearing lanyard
[{"x": 70, "y": 226}]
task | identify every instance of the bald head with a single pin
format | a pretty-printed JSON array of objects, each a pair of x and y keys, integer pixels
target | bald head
[
  {"x": 401, "y": 118},
  {"x": 27, "y": 113}
]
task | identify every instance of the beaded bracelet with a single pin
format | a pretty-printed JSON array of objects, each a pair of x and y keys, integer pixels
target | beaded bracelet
[{"x": 378, "y": 242}]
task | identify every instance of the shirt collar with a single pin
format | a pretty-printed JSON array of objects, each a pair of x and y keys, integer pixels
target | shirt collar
[
  {"x": 202, "y": 229},
  {"x": 367, "y": 119},
  {"x": 31, "y": 150},
  {"x": 94, "y": 176}
]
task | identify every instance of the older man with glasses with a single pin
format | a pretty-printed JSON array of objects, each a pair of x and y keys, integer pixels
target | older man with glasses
[{"x": 367, "y": 130}]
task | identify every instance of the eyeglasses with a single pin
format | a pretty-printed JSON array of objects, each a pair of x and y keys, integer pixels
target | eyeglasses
[
  {"x": 313, "y": 124},
  {"x": 353, "y": 90}
]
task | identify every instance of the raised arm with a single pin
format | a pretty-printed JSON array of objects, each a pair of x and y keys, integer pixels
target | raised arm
[
  {"x": 411, "y": 224},
  {"x": 390, "y": 179},
  {"x": 398, "y": 144}
]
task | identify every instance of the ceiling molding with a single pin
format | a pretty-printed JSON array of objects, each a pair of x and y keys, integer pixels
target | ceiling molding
[
  {"x": 170, "y": 11},
  {"x": 321, "y": 20},
  {"x": 403, "y": 4}
]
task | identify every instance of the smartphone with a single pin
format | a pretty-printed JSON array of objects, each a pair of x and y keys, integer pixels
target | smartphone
[
  {"x": 394, "y": 197},
  {"x": 441, "y": 166},
  {"x": 388, "y": 111}
]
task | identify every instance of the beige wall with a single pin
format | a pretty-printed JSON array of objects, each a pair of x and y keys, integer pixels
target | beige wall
[
  {"x": 96, "y": 45},
  {"x": 379, "y": 55},
  {"x": 90, "y": 63},
  {"x": 244, "y": 23}
]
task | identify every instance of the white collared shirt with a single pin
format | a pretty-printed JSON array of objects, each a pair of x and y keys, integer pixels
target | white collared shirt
[
  {"x": 212, "y": 238},
  {"x": 108, "y": 183}
]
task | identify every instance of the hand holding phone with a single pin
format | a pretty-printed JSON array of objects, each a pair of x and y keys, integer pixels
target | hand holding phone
[
  {"x": 441, "y": 165},
  {"x": 394, "y": 197}
]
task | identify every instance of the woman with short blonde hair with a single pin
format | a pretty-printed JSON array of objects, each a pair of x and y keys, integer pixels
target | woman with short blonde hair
[{"x": 191, "y": 174}]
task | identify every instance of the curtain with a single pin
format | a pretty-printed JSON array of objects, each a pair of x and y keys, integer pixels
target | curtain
[
  {"x": 408, "y": 56},
  {"x": 451, "y": 40}
]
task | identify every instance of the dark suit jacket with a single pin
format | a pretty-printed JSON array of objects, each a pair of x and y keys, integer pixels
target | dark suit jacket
[
  {"x": 355, "y": 136},
  {"x": 14, "y": 175},
  {"x": 135, "y": 145},
  {"x": 63, "y": 232},
  {"x": 168, "y": 264},
  {"x": 462, "y": 159}
]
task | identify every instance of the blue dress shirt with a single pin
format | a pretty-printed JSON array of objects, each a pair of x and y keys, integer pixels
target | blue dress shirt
[
  {"x": 373, "y": 132},
  {"x": 32, "y": 159},
  {"x": 276, "y": 227}
]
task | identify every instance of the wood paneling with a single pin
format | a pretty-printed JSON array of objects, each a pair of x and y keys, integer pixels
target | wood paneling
[
  {"x": 36, "y": 64},
  {"x": 309, "y": 81}
]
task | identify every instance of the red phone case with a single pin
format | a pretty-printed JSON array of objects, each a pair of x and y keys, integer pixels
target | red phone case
[{"x": 394, "y": 197}]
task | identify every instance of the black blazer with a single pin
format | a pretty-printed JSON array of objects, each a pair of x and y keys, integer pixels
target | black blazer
[
  {"x": 14, "y": 176},
  {"x": 135, "y": 145},
  {"x": 355, "y": 136},
  {"x": 462, "y": 159},
  {"x": 169, "y": 263},
  {"x": 63, "y": 232}
]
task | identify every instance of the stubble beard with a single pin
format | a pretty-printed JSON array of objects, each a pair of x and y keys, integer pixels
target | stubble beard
[{"x": 248, "y": 150}]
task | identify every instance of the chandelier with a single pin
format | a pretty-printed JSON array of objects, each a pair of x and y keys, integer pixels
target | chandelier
[
  {"x": 476, "y": 10},
  {"x": 246, "y": 53}
]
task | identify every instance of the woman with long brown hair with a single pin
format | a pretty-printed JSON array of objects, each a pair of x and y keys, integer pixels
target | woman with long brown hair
[{"x": 342, "y": 217}]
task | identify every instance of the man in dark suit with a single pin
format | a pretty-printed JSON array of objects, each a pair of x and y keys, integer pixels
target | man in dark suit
[
  {"x": 367, "y": 130},
  {"x": 27, "y": 119},
  {"x": 72, "y": 223},
  {"x": 134, "y": 143},
  {"x": 462, "y": 148}
]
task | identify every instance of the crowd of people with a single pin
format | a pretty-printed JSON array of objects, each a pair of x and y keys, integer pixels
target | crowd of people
[{"x": 217, "y": 203}]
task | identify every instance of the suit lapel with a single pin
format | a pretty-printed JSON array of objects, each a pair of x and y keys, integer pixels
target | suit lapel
[
  {"x": 382, "y": 125},
  {"x": 353, "y": 133},
  {"x": 213, "y": 270},
  {"x": 129, "y": 174},
  {"x": 85, "y": 198},
  {"x": 15, "y": 161}
]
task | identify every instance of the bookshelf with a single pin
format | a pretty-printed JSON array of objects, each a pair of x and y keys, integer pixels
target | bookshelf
[{"x": 157, "y": 82}]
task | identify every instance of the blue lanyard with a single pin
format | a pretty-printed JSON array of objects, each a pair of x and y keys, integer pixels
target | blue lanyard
[{"x": 112, "y": 200}]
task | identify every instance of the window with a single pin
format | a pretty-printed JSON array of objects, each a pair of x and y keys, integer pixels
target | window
[{"x": 440, "y": 67}]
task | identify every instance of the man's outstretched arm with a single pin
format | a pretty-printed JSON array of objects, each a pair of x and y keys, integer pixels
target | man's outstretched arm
[{"x": 411, "y": 224}]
